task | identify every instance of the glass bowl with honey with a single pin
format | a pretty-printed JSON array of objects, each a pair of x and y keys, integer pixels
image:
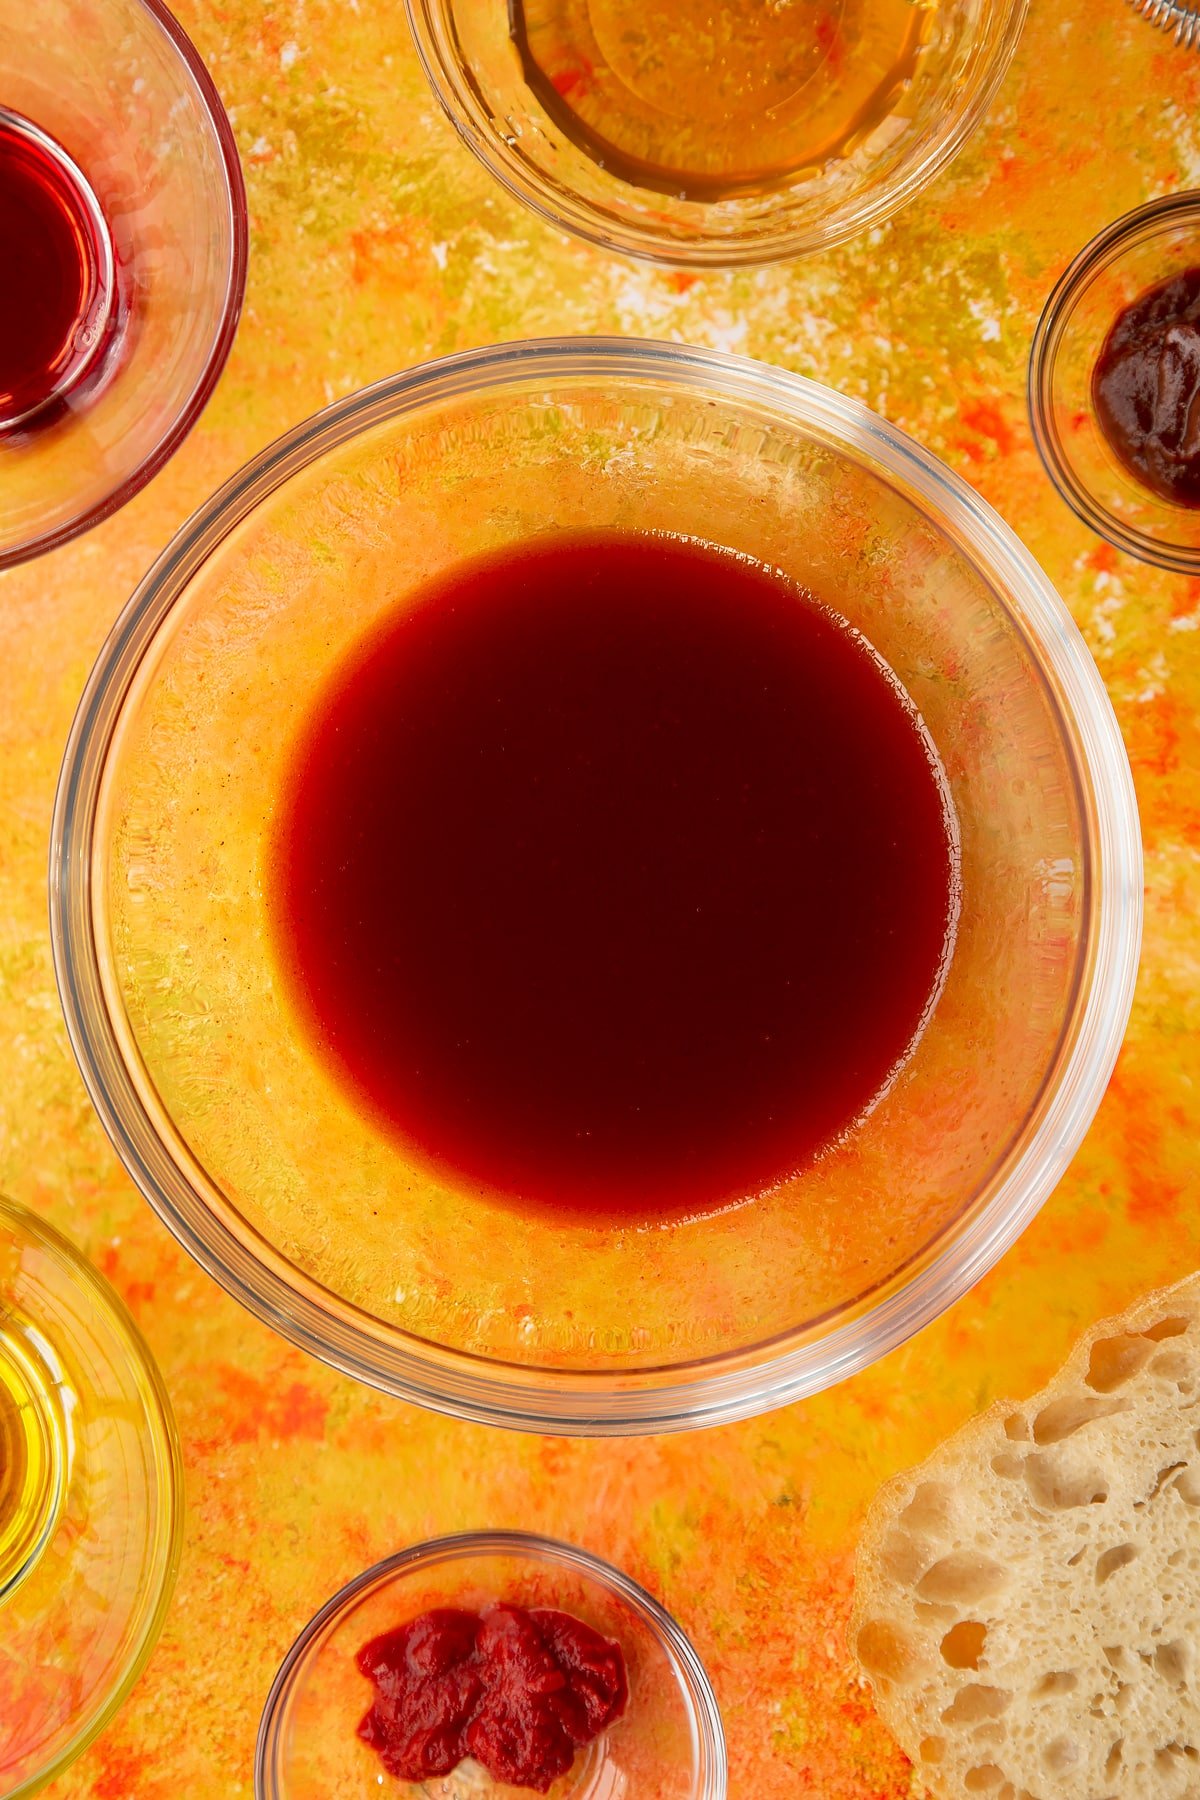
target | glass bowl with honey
[
  {"x": 90, "y": 1502},
  {"x": 1113, "y": 375},
  {"x": 498, "y": 1618},
  {"x": 123, "y": 241},
  {"x": 688, "y": 133},
  {"x": 596, "y": 886}
]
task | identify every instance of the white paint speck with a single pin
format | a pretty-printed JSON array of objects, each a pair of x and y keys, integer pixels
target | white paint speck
[
  {"x": 288, "y": 55},
  {"x": 729, "y": 337},
  {"x": 989, "y": 325}
]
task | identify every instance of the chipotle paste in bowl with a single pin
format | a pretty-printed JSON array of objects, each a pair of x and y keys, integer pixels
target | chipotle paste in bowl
[
  {"x": 519, "y": 1690},
  {"x": 1146, "y": 388}
]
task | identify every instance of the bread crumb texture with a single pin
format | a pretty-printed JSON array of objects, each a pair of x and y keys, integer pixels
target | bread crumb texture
[{"x": 1027, "y": 1602}]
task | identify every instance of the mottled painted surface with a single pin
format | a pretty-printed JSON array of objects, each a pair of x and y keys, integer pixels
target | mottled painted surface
[{"x": 377, "y": 242}]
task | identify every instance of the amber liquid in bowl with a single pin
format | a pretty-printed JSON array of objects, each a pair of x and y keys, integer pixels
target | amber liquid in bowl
[
  {"x": 616, "y": 876},
  {"x": 704, "y": 101}
]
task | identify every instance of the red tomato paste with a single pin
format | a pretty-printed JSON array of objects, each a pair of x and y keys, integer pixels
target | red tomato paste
[
  {"x": 519, "y": 1690},
  {"x": 1146, "y": 388}
]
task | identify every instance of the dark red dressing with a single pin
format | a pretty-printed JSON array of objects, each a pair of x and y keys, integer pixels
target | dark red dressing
[
  {"x": 1146, "y": 388},
  {"x": 53, "y": 301},
  {"x": 519, "y": 1690},
  {"x": 615, "y": 877}
]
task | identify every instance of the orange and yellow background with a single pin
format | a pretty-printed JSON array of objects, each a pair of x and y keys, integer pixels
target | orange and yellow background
[{"x": 376, "y": 241}]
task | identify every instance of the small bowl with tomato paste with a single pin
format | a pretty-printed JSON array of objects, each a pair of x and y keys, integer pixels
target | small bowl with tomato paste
[
  {"x": 596, "y": 886},
  {"x": 492, "y": 1666},
  {"x": 1114, "y": 383}
]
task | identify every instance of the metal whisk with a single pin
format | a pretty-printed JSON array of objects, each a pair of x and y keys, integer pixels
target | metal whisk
[{"x": 1172, "y": 15}]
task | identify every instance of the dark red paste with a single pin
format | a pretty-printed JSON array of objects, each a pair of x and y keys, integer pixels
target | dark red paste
[
  {"x": 1146, "y": 388},
  {"x": 519, "y": 1690}
]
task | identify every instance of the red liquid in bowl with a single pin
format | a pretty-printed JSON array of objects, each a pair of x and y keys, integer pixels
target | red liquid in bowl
[
  {"x": 616, "y": 876},
  {"x": 56, "y": 275}
]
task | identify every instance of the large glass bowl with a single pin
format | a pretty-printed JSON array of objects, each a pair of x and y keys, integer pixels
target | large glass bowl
[
  {"x": 476, "y": 74},
  {"x": 668, "y": 1745},
  {"x": 116, "y": 89},
  {"x": 255, "y": 1156}
]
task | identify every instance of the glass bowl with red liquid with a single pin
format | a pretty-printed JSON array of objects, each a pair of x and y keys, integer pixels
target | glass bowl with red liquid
[
  {"x": 405, "y": 1250},
  {"x": 668, "y": 1743},
  {"x": 1155, "y": 244},
  {"x": 123, "y": 236}
]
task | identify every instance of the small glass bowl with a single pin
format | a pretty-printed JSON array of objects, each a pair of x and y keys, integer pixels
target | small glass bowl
[
  {"x": 668, "y": 1744},
  {"x": 90, "y": 1503},
  {"x": 476, "y": 74},
  {"x": 267, "y": 1168},
  {"x": 122, "y": 95},
  {"x": 1146, "y": 246}
]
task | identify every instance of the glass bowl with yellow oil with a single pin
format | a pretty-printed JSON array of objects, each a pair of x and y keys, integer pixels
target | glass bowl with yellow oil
[
  {"x": 90, "y": 1510},
  {"x": 690, "y": 133}
]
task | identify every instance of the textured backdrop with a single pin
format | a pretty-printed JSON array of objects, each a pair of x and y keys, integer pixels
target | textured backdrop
[{"x": 376, "y": 241}]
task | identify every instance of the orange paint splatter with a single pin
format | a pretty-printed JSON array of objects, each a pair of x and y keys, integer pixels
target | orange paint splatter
[
  {"x": 1154, "y": 1195},
  {"x": 985, "y": 419},
  {"x": 259, "y": 1409},
  {"x": 121, "y": 1772},
  {"x": 1154, "y": 1202},
  {"x": 1185, "y": 599},
  {"x": 1151, "y": 732}
]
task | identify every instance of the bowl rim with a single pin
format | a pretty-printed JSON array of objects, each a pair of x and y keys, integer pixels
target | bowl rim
[
  {"x": 1097, "y": 255},
  {"x": 457, "y": 1546},
  {"x": 168, "y": 1462},
  {"x": 746, "y": 1381},
  {"x": 222, "y": 343},
  {"x": 461, "y": 100}
]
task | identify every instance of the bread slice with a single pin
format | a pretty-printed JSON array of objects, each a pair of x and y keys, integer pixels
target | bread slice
[{"x": 1027, "y": 1602}]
